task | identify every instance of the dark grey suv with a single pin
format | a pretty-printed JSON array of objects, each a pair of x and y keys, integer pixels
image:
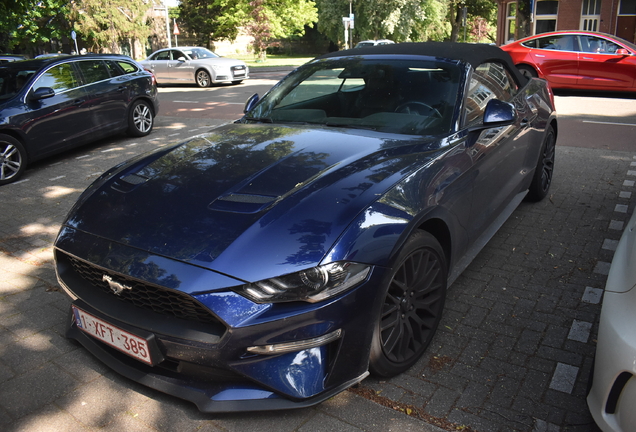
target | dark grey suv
[{"x": 52, "y": 104}]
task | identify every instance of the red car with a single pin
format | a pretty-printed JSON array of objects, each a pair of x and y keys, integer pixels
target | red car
[{"x": 577, "y": 60}]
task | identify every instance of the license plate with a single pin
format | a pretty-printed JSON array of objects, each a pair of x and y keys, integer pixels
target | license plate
[
  {"x": 120, "y": 339},
  {"x": 239, "y": 72}
]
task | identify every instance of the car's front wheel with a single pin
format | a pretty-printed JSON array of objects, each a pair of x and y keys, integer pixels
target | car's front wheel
[
  {"x": 203, "y": 78},
  {"x": 542, "y": 178},
  {"x": 141, "y": 119},
  {"x": 412, "y": 307},
  {"x": 13, "y": 159}
]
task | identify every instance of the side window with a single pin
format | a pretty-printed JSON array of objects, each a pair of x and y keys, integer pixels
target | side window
[
  {"x": 60, "y": 77},
  {"x": 127, "y": 67},
  {"x": 176, "y": 54},
  {"x": 489, "y": 81},
  {"x": 93, "y": 70},
  {"x": 593, "y": 44},
  {"x": 163, "y": 55},
  {"x": 113, "y": 68},
  {"x": 557, "y": 43}
]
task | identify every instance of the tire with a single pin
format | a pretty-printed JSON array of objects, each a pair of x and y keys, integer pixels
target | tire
[
  {"x": 203, "y": 78},
  {"x": 140, "y": 119},
  {"x": 13, "y": 159},
  {"x": 413, "y": 302},
  {"x": 527, "y": 71},
  {"x": 542, "y": 178}
]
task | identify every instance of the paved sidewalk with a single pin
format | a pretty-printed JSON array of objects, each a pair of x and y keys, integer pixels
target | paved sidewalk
[{"x": 513, "y": 352}]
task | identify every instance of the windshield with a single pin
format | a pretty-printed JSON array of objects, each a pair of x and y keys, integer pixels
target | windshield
[
  {"x": 12, "y": 80},
  {"x": 415, "y": 97},
  {"x": 199, "y": 53}
]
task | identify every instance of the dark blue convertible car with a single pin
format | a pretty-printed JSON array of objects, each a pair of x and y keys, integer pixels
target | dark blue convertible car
[{"x": 273, "y": 262}]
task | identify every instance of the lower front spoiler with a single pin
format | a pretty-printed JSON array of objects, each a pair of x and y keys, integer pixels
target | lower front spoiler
[{"x": 208, "y": 397}]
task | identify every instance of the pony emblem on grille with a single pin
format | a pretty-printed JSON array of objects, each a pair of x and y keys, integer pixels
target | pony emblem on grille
[{"x": 115, "y": 286}]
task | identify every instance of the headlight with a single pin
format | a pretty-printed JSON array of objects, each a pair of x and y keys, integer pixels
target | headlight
[{"x": 312, "y": 285}]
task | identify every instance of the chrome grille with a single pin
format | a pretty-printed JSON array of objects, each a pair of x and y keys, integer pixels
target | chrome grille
[{"x": 146, "y": 296}]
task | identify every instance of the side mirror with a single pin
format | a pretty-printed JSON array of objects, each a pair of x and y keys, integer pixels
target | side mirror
[
  {"x": 622, "y": 52},
  {"x": 41, "y": 93},
  {"x": 181, "y": 59},
  {"x": 250, "y": 102},
  {"x": 499, "y": 113}
]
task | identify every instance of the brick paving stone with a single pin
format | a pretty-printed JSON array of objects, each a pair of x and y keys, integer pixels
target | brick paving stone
[{"x": 442, "y": 401}]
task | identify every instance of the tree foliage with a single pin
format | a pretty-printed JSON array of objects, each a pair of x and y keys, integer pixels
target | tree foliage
[
  {"x": 486, "y": 9},
  {"x": 108, "y": 23},
  {"x": 212, "y": 20},
  {"x": 29, "y": 26},
  {"x": 277, "y": 19},
  {"x": 399, "y": 20}
]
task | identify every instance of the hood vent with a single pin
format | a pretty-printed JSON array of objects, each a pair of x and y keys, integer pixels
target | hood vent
[{"x": 129, "y": 182}]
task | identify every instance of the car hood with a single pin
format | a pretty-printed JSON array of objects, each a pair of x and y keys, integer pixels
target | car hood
[{"x": 249, "y": 201}]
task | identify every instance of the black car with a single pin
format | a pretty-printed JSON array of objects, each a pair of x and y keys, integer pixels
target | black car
[{"x": 52, "y": 104}]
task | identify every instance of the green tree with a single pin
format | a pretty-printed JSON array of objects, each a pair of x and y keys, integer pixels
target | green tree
[
  {"x": 399, "y": 20},
  {"x": 30, "y": 26},
  {"x": 486, "y": 9},
  {"x": 212, "y": 20},
  {"x": 110, "y": 23},
  {"x": 278, "y": 19}
]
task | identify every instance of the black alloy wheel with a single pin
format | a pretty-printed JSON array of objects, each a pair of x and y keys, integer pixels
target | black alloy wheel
[
  {"x": 13, "y": 159},
  {"x": 412, "y": 306},
  {"x": 545, "y": 168}
]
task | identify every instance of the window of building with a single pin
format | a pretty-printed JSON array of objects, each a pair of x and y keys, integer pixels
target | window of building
[
  {"x": 545, "y": 16},
  {"x": 590, "y": 15},
  {"x": 627, "y": 7},
  {"x": 511, "y": 21}
]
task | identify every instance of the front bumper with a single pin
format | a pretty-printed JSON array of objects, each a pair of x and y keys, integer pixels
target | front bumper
[{"x": 207, "y": 361}]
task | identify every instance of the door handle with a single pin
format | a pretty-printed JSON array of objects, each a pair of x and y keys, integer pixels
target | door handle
[{"x": 79, "y": 101}]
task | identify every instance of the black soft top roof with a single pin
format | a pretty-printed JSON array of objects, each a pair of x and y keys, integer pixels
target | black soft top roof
[{"x": 473, "y": 54}]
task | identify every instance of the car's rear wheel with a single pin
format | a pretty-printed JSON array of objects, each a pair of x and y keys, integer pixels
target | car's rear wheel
[
  {"x": 141, "y": 119},
  {"x": 412, "y": 307},
  {"x": 13, "y": 159},
  {"x": 203, "y": 78},
  {"x": 527, "y": 71},
  {"x": 545, "y": 168}
]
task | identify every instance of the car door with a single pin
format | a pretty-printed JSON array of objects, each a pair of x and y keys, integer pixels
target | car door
[
  {"x": 108, "y": 93},
  {"x": 61, "y": 120},
  {"x": 558, "y": 58},
  {"x": 159, "y": 65},
  {"x": 601, "y": 68},
  {"x": 497, "y": 153},
  {"x": 181, "y": 70}
]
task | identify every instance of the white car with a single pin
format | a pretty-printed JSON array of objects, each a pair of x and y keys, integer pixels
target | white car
[
  {"x": 196, "y": 65},
  {"x": 612, "y": 397}
]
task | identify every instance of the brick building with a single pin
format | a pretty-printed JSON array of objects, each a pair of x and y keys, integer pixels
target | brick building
[{"x": 617, "y": 17}]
